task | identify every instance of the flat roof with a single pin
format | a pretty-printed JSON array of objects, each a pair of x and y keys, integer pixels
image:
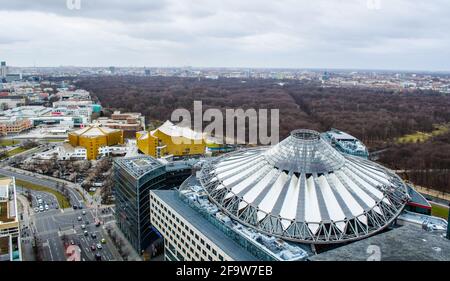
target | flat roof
[
  {"x": 139, "y": 165},
  {"x": 230, "y": 247},
  {"x": 406, "y": 243}
]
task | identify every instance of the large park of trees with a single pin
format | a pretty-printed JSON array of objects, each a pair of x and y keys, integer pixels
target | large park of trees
[{"x": 377, "y": 117}]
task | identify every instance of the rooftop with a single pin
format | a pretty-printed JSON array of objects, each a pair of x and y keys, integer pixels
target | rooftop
[
  {"x": 139, "y": 165},
  {"x": 93, "y": 131},
  {"x": 406, "y": 243},
  {"x": 305, "y": 190},
  {"x": 235, "y": 251}
]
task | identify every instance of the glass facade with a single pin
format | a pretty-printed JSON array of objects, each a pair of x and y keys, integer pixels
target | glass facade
[{"x": 133, "y": 202}]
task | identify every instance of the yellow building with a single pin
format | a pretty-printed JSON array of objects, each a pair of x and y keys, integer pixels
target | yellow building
[
  {"x": 170, "y": 140},
  {"x": 93, "y": 137}
]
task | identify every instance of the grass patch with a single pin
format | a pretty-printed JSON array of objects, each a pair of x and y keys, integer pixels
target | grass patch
[
  {"x": 424, "y": 136},
  {"x": 53, "y": 140},
  {"x": 8, "y": 142},
  {"x": 439, "y": 211},
  {"x": 15, "y": 151},
  {"x": 62, "y": 201}
]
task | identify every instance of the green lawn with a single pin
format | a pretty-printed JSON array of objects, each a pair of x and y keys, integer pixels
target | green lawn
[
  {"x": 62, "y": 201},
  {"x": 14, "y": 151},
  {"x": 8, "y": 142},
  {"x": 53, "y": 140},
  {"x": 424, "y": 136},
  {"x": 439, "y": 211}
]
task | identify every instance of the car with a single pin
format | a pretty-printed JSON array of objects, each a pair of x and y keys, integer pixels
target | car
[
  {"x": 39, "y": 201},
  {"x": 75, "y": 207},
  {"x": 103, "y": 241},
  {"x": 98, "y": 257},
  {"x": 84, "y": 212},
  {"x": 36, "y": 210},
  {"x": 86, "y": 233},
  {"x": 41, "y": 208},
  {"x": 83, "y": 226},
  {"x": 46, "y": 207},
  {"x": 97, "y": 223},
  {"x": 86, "y": 222},
  {"x": 80, "y": 207},
  {"x": 79, "y": 218},
  {"x": 99, "y": 246},
  {"x": 72, "y": 242},
  {"x": 93, "y": 235},
  {"x": 93, "y": 248}
]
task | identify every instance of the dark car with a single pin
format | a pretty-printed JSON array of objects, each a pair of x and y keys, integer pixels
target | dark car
[
  {"x": 75, "y": 207},
  {"x": 93, "y": 235},
  {"x": 98, "y": 257},
  {"x": 93, "y": 248}
]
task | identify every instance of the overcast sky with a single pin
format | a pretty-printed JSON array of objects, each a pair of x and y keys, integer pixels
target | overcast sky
[{"x": 371, "y": 34}]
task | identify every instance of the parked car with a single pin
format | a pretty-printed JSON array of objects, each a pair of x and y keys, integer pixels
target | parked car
[
  {"x": 83, "y": 226},
  {"x": 36, "y": 210},
  {"x": 79, "y": 218},
  {"x": 84, "y": 212},
  {"x": 46, "y": 207},
  {"x": 41, "y": 208},
  {"x": 98, "y": 257},
  {"x": 99, "y": 246},
  {"x": 93, "y": 235},
  {"x": 86, "y": 233},
  {"x": 103, "y": 241},
  {"x": 93, "y": 248}
]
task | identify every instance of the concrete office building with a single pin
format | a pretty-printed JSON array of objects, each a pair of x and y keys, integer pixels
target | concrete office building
[{"x": 135, "y": 177}]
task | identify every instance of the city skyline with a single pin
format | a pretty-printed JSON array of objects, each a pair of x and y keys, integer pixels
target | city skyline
[{"x": 358, "y": 34}]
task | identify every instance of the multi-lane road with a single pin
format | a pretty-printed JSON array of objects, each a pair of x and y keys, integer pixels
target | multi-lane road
[
  {"x": 75, "y": 196},
  {"x": 58, "y": 229}
]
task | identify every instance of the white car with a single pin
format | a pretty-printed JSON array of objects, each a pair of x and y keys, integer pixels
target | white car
[
  {"x": 83, "y": 226},
  {"x": 99, "y": 246},
  {"x": 46, "y": 207},
  {"x": 41, "y": 208},
  {"x": 79, "y": 218},
  {"x": 36, "y": 210},
  {"x": 39, "y": 201},
  {"x": 84, "y": 212}
]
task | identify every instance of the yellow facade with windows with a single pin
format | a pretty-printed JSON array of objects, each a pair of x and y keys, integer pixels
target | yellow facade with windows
[
  {"x": 170, "y": 139},
  {"x": 94, "y": 137}
]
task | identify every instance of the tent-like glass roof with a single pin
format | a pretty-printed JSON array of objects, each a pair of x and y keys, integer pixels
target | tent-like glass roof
[{"x": 304, "y": 190}]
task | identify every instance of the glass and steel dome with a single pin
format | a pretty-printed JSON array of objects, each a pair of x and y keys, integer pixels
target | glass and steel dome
[{"x": 304, "y": 190}]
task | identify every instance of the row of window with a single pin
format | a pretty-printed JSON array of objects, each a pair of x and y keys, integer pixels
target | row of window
[{"x": 189, "y": 242}]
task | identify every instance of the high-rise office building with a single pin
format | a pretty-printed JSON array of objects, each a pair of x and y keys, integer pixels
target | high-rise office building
[
  {"x": 3, "y": 69},
  {"x": 135, "y": 177}
]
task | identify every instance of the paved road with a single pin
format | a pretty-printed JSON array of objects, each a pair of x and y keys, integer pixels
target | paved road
[
  {"x": 52, "y": 226},
  {"x": 75, "y": 197}
]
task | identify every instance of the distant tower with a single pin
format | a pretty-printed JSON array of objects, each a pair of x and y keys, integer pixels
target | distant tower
[{"x": 3, "y": 69}]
